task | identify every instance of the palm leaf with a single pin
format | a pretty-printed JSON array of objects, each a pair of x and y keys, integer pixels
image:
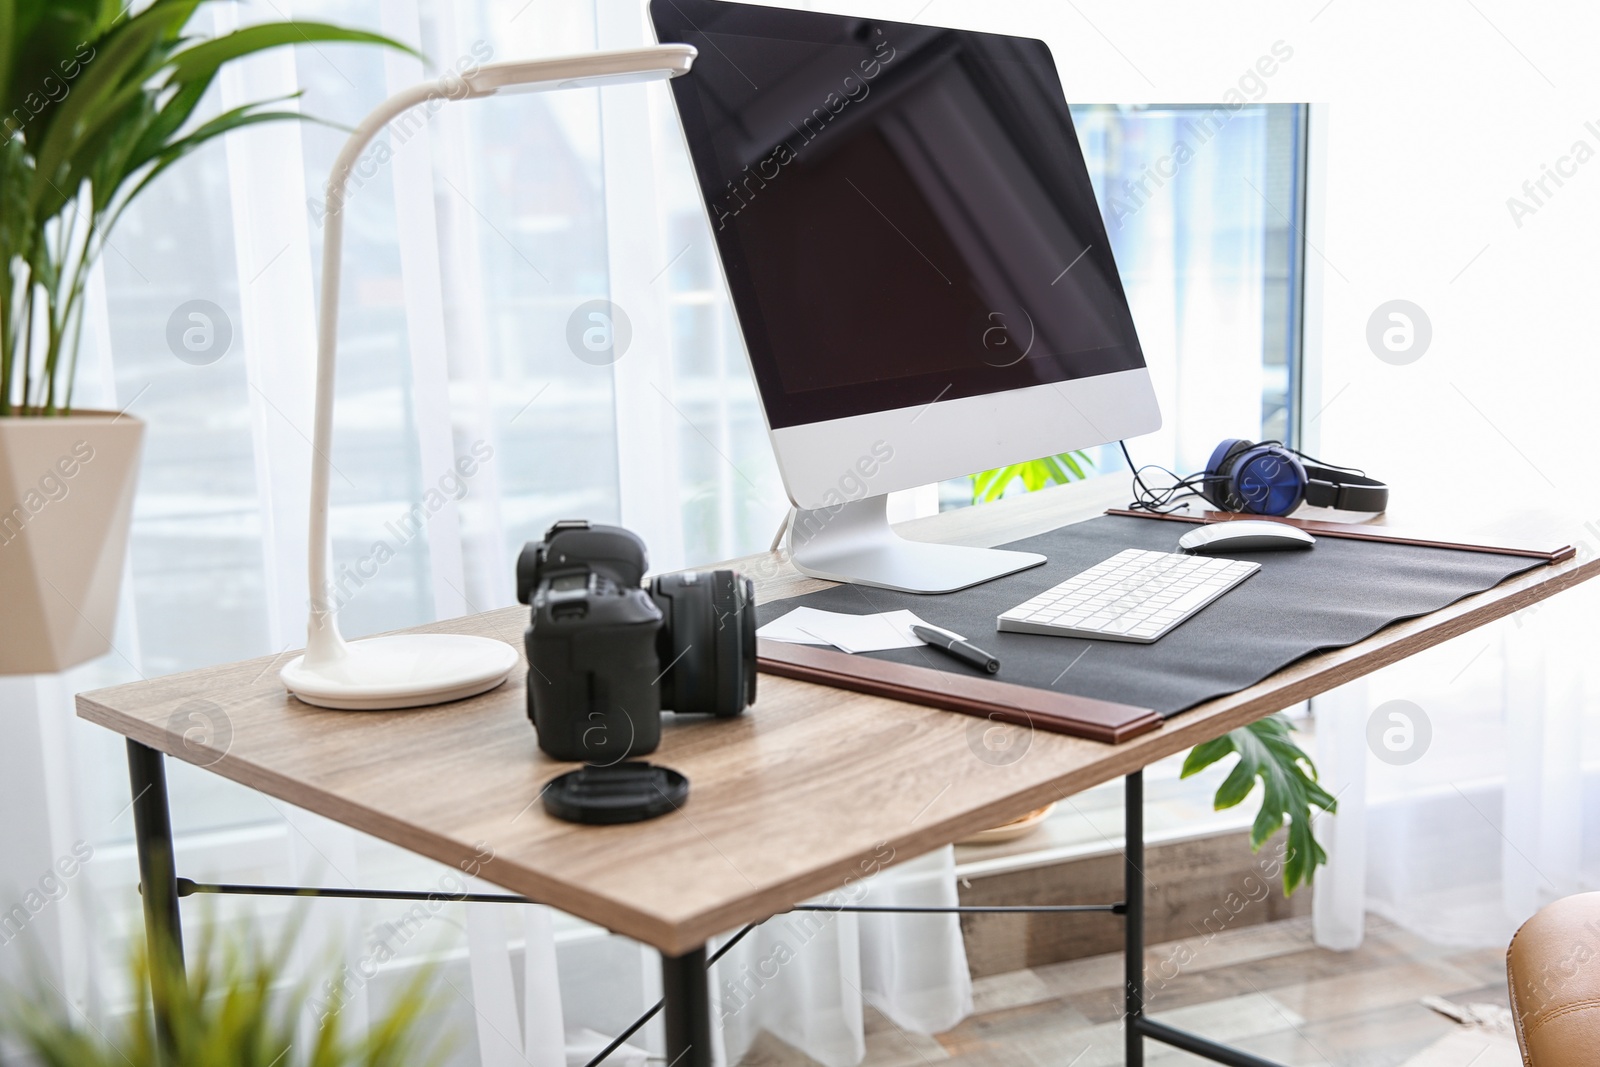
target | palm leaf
[
  {"x": 233, "y": 120},
  {"x": 168, "y": 119},
  {"x": 8, "y": 32},
  {"x": 201, "y": 61},
  {"x": 124, "y": 59},
  {"x": 32, "y": 48},
  {"x": 127, "y": 116}
]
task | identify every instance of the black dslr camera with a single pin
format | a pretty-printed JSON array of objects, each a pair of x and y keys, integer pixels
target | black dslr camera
[{"x": 607, "y": 655}]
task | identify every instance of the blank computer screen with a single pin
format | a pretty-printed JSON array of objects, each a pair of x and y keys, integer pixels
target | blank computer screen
[{"x": 902, "y": 211}]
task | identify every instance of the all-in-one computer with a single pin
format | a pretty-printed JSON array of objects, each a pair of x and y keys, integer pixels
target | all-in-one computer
[{"x": 917, "y": 262}]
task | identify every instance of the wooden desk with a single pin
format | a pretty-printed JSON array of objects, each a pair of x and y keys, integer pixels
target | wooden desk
[{"x": 811, "y": 788}]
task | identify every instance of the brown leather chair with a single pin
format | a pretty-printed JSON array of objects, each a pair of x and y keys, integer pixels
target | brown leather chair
[{"x": 1553, "y": 969}]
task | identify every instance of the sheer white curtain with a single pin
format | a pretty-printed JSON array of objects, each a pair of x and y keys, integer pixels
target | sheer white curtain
[
  {"x": 472, "y": 240},
  {"x": 1500, "y": 812},
  {"x": 1483, "y": 803},
  {"x": 805, "y": 976}
]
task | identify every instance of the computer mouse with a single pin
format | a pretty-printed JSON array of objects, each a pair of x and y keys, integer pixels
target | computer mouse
[{"x": 1244, "y": 535}]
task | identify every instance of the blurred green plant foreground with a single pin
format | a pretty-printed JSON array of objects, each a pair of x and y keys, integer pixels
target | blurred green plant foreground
[{"x": 235, "y": 1008}]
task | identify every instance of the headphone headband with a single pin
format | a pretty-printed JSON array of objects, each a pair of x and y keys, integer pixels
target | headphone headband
[{"x": 1345, "y": 490}]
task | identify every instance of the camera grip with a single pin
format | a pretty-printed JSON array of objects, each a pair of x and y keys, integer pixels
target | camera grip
[{"x": 593, "y": 694}]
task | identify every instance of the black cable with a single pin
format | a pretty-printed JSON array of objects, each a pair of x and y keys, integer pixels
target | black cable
[
  {"x": 1143, "y": 491},
  {"x": 1164, "y": 500}
]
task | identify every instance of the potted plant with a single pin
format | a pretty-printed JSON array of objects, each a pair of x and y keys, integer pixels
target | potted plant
[{"x": 95, "y": 103}]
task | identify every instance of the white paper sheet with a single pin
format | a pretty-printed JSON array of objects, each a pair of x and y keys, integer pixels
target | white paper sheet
[{"x": 849, "y": 633}]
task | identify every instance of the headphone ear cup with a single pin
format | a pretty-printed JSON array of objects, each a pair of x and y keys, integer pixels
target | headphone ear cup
[
  {"x": 1218, "y": 486},
  {"x": 1269, "y": 481}
]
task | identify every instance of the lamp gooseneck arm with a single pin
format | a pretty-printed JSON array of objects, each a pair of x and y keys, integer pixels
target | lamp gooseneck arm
[{"x": 324, "y": 644}]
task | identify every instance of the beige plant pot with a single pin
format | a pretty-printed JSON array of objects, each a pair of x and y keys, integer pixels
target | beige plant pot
[{"x": 66, "y": 499}]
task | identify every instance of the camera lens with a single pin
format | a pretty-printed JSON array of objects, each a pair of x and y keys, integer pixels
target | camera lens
[{"x": 707, "y": 642}]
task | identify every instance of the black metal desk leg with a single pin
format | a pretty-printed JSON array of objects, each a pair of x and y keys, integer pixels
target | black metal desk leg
[
  {"x": 158, "y": 875},
  {"x": 688, "y": 1009},
  {"x": 1133, "y": 894},
  {"x": 1136, "y": 1025}
]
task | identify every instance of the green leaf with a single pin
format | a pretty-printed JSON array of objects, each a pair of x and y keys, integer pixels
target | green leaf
[
  {"x": 8, "y": 35},
  {"x": 1268, "y": 821},
  {"x": 124, "y": 86},
  {"x": 1289, "y": 790},
  {"x": 236, "y": 119},
  {"x": 39, "y": 46},
  {"x": 168, "y": 120},
  {"x": 201, "y": 61},
  {"x": 1204, "y": 755},
  {"x": 1236, "y": 786},
  {"x": 238, "y": 1008},
  {"x": 1035, "y": 474},
  {"x": 114, "y": 78}
]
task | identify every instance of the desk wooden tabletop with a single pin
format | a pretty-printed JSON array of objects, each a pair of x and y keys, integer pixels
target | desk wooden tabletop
[{"x": 809, "y": 789}]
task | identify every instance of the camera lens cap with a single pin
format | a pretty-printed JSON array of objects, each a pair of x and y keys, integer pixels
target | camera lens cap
[{"x": 619, "y": 793}]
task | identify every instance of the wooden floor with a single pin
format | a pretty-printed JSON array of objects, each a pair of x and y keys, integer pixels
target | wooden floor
[{"x": 1266, "y": 989}]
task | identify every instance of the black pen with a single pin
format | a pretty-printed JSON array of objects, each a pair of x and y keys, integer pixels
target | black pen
[{"x": 959, "y": 647}]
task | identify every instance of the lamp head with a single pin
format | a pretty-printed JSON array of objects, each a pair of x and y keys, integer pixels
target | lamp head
[{"x": 581, "y": 72}]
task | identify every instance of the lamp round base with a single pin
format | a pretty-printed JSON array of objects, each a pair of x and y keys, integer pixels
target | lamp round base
[{"x": 403, "y": 671}]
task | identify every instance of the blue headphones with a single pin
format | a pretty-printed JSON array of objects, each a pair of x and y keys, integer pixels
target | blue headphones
[{"x": 1269, "y": 478}]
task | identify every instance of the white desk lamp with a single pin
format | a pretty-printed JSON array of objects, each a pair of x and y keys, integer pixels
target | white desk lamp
[{"x": 411, "y": 670}]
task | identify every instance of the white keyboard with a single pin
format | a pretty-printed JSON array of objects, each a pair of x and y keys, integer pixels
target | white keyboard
[{"x": 1133, "y": 596}]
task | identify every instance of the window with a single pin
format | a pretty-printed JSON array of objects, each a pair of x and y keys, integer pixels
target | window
[{"x": 1204, "y": 209}]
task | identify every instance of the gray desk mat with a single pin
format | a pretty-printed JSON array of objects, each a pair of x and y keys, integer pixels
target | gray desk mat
[{"x": 1300, "y": 602}]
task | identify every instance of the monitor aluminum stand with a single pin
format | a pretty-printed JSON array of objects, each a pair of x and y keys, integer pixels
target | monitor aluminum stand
[{"x": 853, "y": 542}]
